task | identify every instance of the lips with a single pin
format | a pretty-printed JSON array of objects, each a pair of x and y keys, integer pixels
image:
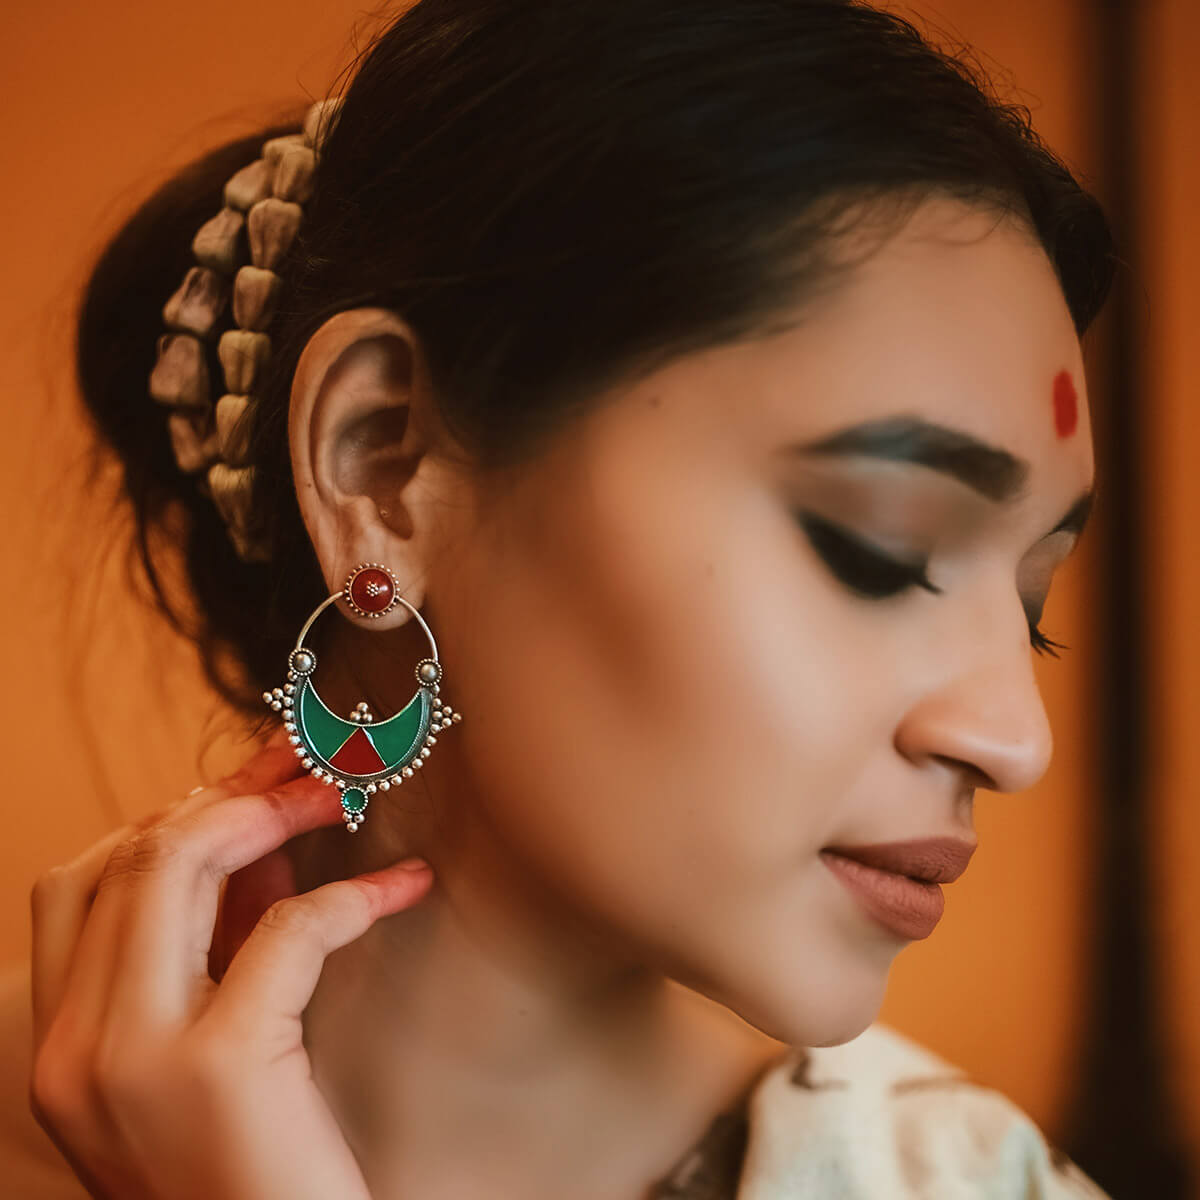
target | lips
[
  {"x": 907, "y": 908},
  {"x": 934, "y": 860}
]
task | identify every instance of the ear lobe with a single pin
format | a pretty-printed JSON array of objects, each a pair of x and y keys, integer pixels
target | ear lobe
[{"x": 360, "y": 409}]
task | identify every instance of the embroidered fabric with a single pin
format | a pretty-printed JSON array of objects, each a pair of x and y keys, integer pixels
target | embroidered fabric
[{"x": 877, "y": 1118}]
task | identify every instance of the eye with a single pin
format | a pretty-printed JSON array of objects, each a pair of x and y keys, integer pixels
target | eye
[
  {"x": 862, "y": 568},
  {"x": 871, "y": 573}
]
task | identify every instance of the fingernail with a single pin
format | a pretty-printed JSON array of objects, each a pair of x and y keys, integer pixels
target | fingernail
[{"x": 411, "y": 864}]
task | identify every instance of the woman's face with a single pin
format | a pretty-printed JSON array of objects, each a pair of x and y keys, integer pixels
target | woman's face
[{"x": 679, "y": 684}]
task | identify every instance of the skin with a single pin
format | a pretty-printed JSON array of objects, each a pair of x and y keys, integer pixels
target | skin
[{"x": 670, "y": 705}]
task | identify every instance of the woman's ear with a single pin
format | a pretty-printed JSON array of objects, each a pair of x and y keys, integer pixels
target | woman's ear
[{"x": 361, "y": 427}]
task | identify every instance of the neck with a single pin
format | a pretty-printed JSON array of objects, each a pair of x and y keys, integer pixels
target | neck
[
  {"x": 493, "y": 1040},
  {"x": 457, "y": 1068}
]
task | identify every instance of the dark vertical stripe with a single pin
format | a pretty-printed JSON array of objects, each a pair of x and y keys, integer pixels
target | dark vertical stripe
[{"x": 1122, "y": 1125}]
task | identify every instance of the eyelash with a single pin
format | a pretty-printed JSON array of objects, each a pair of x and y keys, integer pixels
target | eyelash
[{"x": 874, "y": 575}]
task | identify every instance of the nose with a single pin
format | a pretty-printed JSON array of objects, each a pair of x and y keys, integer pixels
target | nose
[{"x": 985, "y": 715}]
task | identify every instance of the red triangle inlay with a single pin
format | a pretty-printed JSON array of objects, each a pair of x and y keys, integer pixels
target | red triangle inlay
[{"x": 357, "y": 755}]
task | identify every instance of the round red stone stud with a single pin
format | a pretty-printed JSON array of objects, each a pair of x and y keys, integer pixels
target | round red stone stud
[{"x": 371, "y": 590}]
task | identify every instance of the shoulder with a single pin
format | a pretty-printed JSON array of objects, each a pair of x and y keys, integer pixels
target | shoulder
[
  {"x": 883, "y": 1116},
  {"x": 28, "y": 1158}
]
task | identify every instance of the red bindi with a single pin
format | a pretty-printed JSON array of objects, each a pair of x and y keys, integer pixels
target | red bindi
[{"x": 1066, "y": 405}]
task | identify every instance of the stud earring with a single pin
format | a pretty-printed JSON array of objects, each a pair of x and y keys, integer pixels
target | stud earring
[{"x": 361, "y": 756}]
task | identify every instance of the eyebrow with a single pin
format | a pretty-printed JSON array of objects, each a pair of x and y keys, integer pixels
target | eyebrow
[{"x": 993, "y": 472}]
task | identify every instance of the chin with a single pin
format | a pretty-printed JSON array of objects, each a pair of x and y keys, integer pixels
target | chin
[
  {"x": 815, "y": 1024},
  {"x": 825, "y": 1006}
]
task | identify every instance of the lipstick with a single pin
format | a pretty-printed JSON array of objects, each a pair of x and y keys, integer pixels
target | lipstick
[{"x": 909, "y": 908}]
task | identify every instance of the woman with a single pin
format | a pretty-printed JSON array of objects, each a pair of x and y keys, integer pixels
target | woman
[{"x": 706, "y": 378}]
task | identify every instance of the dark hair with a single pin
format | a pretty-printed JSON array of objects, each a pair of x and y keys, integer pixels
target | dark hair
[{"x": 558, "y": 197}]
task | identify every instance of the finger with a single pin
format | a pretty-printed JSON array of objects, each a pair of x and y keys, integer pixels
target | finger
[
  {"x": 163, "y": 910},
  {"x": 63, "y": 900},
  {"x": 272, "y": 764},
  {"x": 275, "y": 973},
  {"x": 59, "y": 906},
  {"x": 250, "y": 891},
  {"x": 248, "y": 894}
]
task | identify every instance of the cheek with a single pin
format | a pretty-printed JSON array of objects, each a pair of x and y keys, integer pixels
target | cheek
[{"x": 662, "y": 714}]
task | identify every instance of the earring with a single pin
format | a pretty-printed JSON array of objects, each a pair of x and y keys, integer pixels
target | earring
[{"x": 360, "y": 756}]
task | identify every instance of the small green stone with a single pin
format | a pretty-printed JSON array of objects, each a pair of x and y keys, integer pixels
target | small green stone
[{"x": 354, "y": 800}]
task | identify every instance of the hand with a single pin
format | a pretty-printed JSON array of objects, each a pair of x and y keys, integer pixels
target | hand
[{"x": 155, "y": 1081}]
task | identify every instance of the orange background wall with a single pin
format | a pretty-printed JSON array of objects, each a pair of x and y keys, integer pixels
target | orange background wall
[
  {"x": 110, "y": 96},
  {"x": 1170, "y": 319}
]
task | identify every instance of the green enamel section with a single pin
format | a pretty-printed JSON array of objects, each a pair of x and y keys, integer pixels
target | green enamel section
[
  {"x": 354, "y": 800},
  {"x": 322, "y": 730},
  {"x": 396, "y": 739}
]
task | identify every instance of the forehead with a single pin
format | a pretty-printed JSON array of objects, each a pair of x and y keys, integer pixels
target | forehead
[
  {"x": 958, "y": 317},
  {"x": 955, "y": 317}
]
